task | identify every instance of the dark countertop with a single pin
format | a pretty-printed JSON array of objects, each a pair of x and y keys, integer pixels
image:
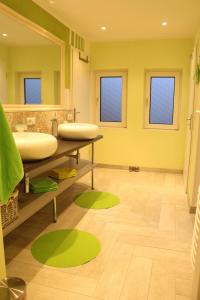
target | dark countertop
[{"x": 64, "y": 147}]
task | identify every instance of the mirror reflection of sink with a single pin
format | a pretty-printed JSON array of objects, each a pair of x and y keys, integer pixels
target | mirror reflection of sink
[
  {"x": 35, "y": 145},
  {"x": 78, "y": 131}
]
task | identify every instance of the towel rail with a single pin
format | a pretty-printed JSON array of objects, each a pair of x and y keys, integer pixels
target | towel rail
[{"x": 85, "y": 60}]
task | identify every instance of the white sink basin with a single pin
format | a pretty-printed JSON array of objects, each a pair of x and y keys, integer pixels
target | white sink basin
[
  {"x": 78, "y": 131},
  {"x": 35, "y": 145}
]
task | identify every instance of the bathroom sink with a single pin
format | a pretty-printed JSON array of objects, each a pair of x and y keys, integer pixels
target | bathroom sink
[
  {"x": 78, "y": 131},
  {"x": 35, "y": 145}
]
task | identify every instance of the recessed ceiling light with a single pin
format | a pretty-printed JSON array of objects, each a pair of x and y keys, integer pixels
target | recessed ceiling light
[
  {"x": 164, "y": 23},
  {"x": 4, "y": 34},
  {"x": 103, "y": 28},
  {"x": 51, "y": 1}
]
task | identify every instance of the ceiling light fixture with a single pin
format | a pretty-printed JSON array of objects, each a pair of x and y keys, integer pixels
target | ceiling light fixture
[
  {"x": 51, "y": 1},
  {"x": 164, "y": 23},
  {"x": 103, "y": 28},
  {"x": 4, "y": 34}
]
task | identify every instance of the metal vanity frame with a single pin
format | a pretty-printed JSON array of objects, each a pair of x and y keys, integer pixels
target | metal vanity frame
[{"x": 30, "y": 203}]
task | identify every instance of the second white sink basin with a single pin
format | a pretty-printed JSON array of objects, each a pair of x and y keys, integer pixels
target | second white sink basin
[
  {"x": 35, "y": 145},
  {"x": 78, "y": 131}
]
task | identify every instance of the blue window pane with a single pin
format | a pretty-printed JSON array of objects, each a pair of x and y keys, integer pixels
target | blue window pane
[
  {"x": 111, "y": 99},
  {"x": 32, "y": 90},
  {"x": 162, "y": 100}
]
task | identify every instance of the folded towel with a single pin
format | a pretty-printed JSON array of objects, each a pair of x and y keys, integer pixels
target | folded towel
[
  {"x": 42, "y": 185},
  {"x": 11, "y": 168},
  {"x": 43, "y": 190},
  {"x": 63, "y": 173}
]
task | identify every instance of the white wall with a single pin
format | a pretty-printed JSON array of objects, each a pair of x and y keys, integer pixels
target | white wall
[
  {"x": 81, "y": 86},
  {"x": 81, "y": 74}
]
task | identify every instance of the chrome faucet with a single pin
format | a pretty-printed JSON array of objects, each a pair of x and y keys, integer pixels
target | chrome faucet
[
  {"x": 71, "y": 115},
  {"x": 75, "y": 114},
  {"x": 54, "y": 128}
]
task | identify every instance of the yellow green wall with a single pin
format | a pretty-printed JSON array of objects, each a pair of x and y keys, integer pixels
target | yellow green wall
[
  {"x": 3, "y": 73},
  {"x": 36, "y": 14},
  {"x": 44, "y": 59},
  {"x": 3, "y": 52},
  {"x": 135, "y": 145}
]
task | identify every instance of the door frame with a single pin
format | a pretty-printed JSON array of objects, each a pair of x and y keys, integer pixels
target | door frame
[{"x": 189, "y": 120}]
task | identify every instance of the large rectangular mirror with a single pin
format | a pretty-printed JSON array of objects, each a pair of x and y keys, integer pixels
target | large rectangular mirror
[{"x": 31, "y": 65}]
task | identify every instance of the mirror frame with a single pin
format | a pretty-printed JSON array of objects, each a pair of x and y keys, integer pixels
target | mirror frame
[{"x": 46, "y": 34}]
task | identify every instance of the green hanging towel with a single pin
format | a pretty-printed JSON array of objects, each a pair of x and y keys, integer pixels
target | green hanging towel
[{"x": 11, "y": 168}]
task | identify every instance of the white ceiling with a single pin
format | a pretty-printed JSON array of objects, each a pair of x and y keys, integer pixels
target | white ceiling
[
  {"x": 18, "y": 34},
  {"x": 127, "y": 19}
]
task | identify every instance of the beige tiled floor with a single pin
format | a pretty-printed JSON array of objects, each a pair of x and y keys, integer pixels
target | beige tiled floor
[{"x": 145, "y": 242}]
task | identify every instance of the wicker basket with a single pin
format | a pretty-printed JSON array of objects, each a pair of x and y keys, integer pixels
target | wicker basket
[{"x": 9, "y": 211}]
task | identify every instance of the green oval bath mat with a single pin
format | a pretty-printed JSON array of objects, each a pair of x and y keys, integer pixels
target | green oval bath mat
[
  {"x": 96, "y": 200},
  {"x": 66, "y": 248}
]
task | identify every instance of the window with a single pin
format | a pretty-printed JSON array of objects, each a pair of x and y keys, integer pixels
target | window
[
  {"x": 32, "y": 91},
  {"x": 29, "y": 88},
  {"x": 111, "y": 98},
  {"x": 162, "y": 99}
]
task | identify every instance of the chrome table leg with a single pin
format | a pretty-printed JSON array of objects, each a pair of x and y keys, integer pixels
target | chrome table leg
[
  {"x": 54, "y": 209},
  {"x": 92, "y": 175}
]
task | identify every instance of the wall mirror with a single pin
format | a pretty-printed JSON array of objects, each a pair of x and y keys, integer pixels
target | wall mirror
[{"x": 31, "y": 65}]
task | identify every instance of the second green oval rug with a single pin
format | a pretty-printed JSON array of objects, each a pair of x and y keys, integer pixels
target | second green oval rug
[
  {"x": 96, "y": 200},
  {"x": 66, "y": 248}
]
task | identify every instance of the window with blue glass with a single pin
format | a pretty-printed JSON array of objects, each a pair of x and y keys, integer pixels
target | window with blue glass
[
  {"x": 32, "y": 90},
  {"x": 162, "y": 97},
  {"x": 162, "y": 100},
  {"x": 111, "y": 98}
]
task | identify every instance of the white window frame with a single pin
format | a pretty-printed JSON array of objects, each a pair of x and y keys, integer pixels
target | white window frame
[
  {"x": 98, "y": 76},
  {"x": 20, "y": 83},
  {"x": 148, "y": 75}
]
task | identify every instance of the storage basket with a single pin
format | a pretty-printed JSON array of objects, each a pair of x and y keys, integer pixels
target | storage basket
[{"x": 9, "y": 211}]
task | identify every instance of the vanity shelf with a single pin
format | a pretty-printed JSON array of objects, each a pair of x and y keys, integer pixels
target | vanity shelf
[
  {"x": 65, "y": 147},
  {"x": 30, "y": 203}
]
